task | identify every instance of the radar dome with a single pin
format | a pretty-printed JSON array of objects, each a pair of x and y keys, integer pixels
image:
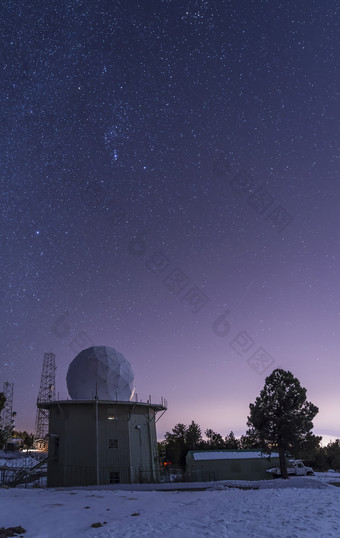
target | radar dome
[{"x": 100, "y": 369}]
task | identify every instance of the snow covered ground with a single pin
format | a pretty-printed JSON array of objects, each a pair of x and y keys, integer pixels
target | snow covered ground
[{"x": 298, "y": 507}]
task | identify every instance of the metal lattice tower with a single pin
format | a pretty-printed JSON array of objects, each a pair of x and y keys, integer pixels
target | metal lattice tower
[
  {"x": 46, "y": 393},
  {"x": 6, "y": 415}
]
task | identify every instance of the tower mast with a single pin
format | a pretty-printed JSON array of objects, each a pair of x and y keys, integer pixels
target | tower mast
[
  {"x": 6, "y": 415},
  {"x": 46, "y": 393}
]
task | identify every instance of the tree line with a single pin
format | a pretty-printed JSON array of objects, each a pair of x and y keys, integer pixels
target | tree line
[{"x": 183, "y": 438}]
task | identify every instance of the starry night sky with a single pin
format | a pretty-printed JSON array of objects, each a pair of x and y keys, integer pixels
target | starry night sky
[{"x": 170, "y": 188}]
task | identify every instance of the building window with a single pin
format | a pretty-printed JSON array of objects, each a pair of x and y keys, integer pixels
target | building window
[
  {"x": 114, "y": 477},
  {"x": 113, "y": 443}
]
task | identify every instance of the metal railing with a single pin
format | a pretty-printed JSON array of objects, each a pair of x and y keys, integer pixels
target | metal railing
[
  {"x": 136, "y": 397},
  {"x": 14, "y": 475}
]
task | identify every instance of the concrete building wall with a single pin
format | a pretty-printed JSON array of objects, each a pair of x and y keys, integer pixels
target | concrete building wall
[
  {"x": 114, "y": 453},
  {"x": 143, "y": 445},
  {"x": 127, "y": 443},
  {"x": 72, "y": 445}
]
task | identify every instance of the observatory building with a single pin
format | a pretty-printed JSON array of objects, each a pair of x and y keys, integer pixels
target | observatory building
[{"x": 104, "y": 434}]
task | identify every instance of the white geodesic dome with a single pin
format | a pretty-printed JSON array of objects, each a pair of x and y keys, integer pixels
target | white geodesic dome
[{"x": 101, "y": 370}]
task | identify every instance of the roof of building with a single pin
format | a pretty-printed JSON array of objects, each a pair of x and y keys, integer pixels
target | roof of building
[
  {"x": 230, "y": 455},
  {"x": 52, "y": 403}
]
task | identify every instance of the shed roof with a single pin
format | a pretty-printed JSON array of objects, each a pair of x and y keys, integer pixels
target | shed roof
[{"x": 231, "y": 455}]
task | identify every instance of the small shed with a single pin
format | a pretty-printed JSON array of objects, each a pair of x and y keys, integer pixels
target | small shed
[
  {"x": 13, "y": 445},
  {"x": 208, "y": 465}
]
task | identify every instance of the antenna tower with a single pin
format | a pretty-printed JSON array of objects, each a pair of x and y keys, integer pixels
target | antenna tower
[
  {"x": 6, "y": 415},
  {"x": 46, "y": 393}
]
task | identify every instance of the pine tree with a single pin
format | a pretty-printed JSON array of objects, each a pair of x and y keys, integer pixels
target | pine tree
[
  {"x": 182, "y": 439},
  {"x": 193, "y": 436},
  {"x": 333, "y": 454},
  {"x": 215, "y": 440},
  {"x": 175, "y": 443},
  {"x": 281, "y": 417},
  {"x": 230, "y": 442},
  {"x": 249, "y": 440},
  {"x": 308, "y": 448}
]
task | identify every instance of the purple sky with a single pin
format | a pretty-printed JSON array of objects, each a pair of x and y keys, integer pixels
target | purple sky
[{"x": 170, "y": 182}]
